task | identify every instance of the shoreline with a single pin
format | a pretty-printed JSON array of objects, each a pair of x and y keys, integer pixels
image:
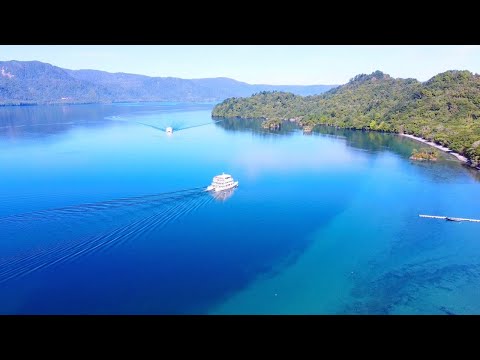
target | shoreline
[{"x": 440, "y": 147}]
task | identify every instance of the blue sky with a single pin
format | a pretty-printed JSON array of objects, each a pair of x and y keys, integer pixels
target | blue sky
[{"x": 257, "y": 64}]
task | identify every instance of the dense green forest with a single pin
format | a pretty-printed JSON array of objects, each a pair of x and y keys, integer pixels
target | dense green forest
[
  {"x": 444, "y": 109},
  {"x": 34, "y": 82}
]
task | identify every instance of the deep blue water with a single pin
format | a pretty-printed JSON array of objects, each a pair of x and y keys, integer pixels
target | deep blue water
[{"x": 101, "y": 212}]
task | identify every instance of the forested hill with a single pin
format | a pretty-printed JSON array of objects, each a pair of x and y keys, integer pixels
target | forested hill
[
  {"x": 445, "y": 109},
  {"x": 34, "y": 82}
]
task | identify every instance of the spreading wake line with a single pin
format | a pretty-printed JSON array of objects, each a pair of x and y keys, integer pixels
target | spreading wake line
[
  {"x": 19, "y": 266},
  {"x": 163, "y": 128},
  {"x": 107, "y": 204}
]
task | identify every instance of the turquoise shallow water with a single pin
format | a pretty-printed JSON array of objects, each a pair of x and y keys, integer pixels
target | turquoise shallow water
[{"x": 101, "y": 212}]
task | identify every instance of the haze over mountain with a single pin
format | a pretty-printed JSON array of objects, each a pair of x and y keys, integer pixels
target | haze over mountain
[{"x": 35, "y": 82}]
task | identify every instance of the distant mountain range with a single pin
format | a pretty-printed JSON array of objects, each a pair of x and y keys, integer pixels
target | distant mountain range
[{"x": 35, "y": 82}]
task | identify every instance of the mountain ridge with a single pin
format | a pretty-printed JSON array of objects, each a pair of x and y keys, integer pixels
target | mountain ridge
[{"x": 36, "y": 82}]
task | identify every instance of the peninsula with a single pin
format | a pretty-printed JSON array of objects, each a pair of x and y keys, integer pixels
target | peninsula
[{"x": 443, "y": 111}]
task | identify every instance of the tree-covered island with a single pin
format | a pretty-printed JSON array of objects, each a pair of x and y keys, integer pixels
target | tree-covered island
[{"x": 424, "y": 155}]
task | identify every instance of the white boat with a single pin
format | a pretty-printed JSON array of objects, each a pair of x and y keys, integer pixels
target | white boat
[
  {"x": 169, "y": 130},
  {"x": 222, "y": 182}
]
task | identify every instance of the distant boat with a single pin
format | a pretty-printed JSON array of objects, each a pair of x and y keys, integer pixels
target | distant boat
[
  {"x": 451, "y": 219},
  {"x": 222, "y": 182},
  {"x": 169, "y": 130}
]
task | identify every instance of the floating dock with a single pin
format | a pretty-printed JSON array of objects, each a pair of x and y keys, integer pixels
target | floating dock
[{"x": 449, "y": 218}]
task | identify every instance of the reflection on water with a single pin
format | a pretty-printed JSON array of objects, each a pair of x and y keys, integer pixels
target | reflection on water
[
  {"x": 40, "y": 121},
  {"x": 46, "y": 120},
  {"x": 223, "y": 195},
  {"x": 377, "y": 142},
  {"x": 255, "y": 126},
  {"x": 474, "y": 173},
  {"x": 446, "y": 169},
  {"x": 366, "y": 140}
]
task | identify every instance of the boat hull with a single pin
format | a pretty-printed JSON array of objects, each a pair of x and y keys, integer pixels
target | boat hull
[{"x": 218, "y": 189}]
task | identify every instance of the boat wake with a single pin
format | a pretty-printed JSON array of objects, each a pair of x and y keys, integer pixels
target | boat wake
[
  {"x": 84, "y": 209},
  {"x": 164, "y": 209},
  {"x": 163, "y": 129}
]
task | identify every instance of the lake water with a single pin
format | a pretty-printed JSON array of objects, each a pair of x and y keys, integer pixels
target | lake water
[{"x": 102, "y": 212}]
